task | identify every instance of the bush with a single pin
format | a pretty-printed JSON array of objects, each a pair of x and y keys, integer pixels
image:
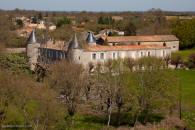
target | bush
[
  {"x": 176, "y": 60},
  {"x": 185, "y": 32},
  {"x": 192, "y": 58},
  {"x": 61, "y": 22},
  {"x": 191, "y": 61},
  {"x": 189, "y": 64},
  {"x": 15, "y": 63}
]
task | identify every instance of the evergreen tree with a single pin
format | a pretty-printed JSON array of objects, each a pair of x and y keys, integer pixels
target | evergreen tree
[
  {"x": 34, "y": 20},
  {"x": 130, "y": 29},
  {"x": 185, "y": 31},
  {"x": 40, "y": 17},
  {"x": 100, "y": 20}
]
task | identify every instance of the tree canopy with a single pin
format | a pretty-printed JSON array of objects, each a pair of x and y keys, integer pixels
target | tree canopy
[{"x": 185, "y": 31}]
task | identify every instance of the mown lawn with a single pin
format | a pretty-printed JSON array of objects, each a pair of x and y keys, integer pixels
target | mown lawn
[
  {"x": 184, "y": 53},
  {"x": 188, "y": 96}
]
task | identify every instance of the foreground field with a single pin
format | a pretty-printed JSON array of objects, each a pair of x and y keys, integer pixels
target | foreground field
[
  {"x": 188, "y": 105},
  {"x": 188, "y": 96},
  {"x": 188, "y": 99}
]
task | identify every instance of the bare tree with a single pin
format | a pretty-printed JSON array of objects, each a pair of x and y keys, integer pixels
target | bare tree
[
  {"x": 153, "y": 88},
  {"x": 176, "y": 61},
  {"x": 69, "y": 80},
  {"x": 130, "y": 63},
  {"x": 167, "y": 60}
]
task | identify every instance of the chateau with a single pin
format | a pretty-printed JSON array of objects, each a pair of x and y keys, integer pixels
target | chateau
[{"x": 94, "y": 52}]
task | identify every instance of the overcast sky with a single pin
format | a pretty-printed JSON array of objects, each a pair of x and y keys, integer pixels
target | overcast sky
[{"x": 99, "y": 5}]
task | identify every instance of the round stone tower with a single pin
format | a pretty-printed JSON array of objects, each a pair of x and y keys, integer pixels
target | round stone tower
[
  {"x": 32, "y": 50},
  {"x": 74, "y": 52}
]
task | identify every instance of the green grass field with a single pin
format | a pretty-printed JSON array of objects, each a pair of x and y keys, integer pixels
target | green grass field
[
  {"x": 188, "y": 104},
  {"x": 184, "y": 53},
  {"x": 188, "y": 96}
]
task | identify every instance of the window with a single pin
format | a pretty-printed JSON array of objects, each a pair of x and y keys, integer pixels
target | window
[
  {"x": 114, "y": 55},
  {"x": 174, "y": 46},
  {"x": 39, "y": 51},
  {"x": 139, "y": 43},
  {"x": 64, "y": 55},
  {"x": 60, "y": 55},
  {"x": 148, "y": 53},
  {"x": 163, "y": 53},
  {"x": 101, "y": 55},
  {"x": 56, "y": 54},
  {"x": 48, "y": 53},
  {"x": 94, "y": 56},
  {"x": 141, "y": 54},
  {"x": 51, "y": 53}
]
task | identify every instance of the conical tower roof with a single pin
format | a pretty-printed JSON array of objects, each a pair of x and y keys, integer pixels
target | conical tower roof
[
  {"x": 90, "y": 38},
  {"x": 32, "y": 37},
  {"x": 74, "y": 43}
]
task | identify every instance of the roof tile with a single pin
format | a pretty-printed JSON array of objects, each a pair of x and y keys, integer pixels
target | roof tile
[
  {"x": 153, "y": 38},
  {"x": 124, "y": 47}
]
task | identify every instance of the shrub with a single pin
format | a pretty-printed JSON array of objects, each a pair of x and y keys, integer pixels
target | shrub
[
  {"x": 192, "y": 58},
  {"x": 61, "y": 22},
  {"x": 15, "y": 63},
  {"x": 176, "y": 60},
  {"x": 191, "y": 61}
]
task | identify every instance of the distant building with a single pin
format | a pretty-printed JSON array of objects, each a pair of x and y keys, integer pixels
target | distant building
[
  {"x": 107, "y": 31},
  {"x": 78, "y": 29},
  {"x": 167, "y": 40},
  {"x": 52, "y": 27},
  {"x": 92, "y": 52},
  {"x": 25, "y": 32},
  {"x": 31, "y": 25},
  {"x": 20, "y": 18},
  {"x": 171, "y": 17},
  {"x": 71, "y": 17},
  {"x": 41, "y": 22},
  {"x": 74, "y": 22},
  {"x": 185, "y": 17},
  {"x": 41, "y": 26},
  {"x": 117, "y": 18}
]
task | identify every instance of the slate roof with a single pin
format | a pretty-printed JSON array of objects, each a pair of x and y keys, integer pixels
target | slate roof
[
  {"x": 74, "y": 44},
  {"x": 90, "y": 38},
  {"x": 32, "y": 37}
]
